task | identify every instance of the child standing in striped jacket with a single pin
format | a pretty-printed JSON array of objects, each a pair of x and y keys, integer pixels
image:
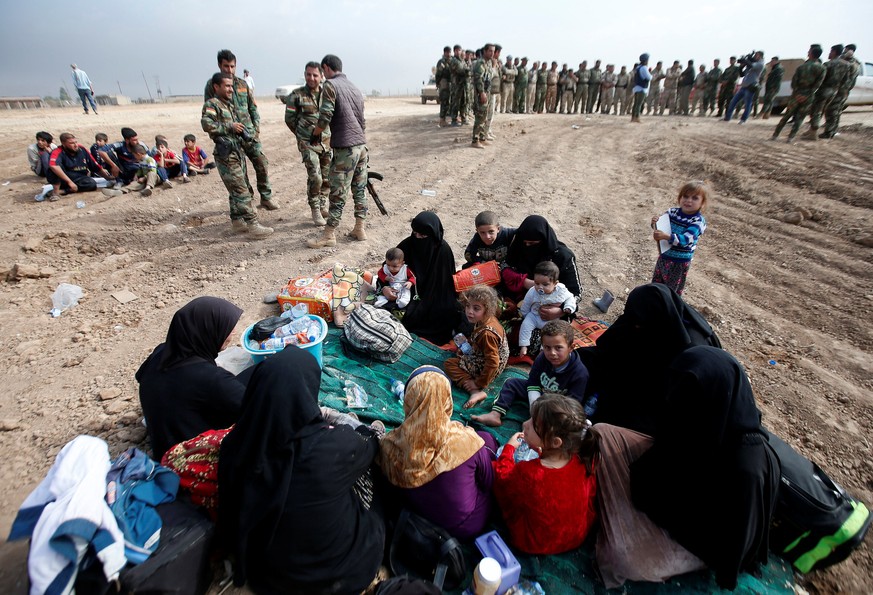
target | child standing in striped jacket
[{"x": 686, "y": 226}]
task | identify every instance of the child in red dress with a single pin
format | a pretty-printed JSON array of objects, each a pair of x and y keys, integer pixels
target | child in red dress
[{"x": 548, "y": 503}]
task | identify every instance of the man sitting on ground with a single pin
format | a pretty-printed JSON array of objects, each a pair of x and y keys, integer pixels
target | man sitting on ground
[
  {"x": 71, "y": 168},
  {"x": 38, "y": 153},
  {"x": 121, "y": 157}
]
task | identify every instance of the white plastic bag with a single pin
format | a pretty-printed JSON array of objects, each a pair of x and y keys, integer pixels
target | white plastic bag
[
  {"x": 65, "y": 296},
  {"x": 234, "y": 359}
]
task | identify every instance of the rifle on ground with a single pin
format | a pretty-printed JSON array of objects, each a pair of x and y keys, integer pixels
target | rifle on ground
[{"x": 371, "y": 175}]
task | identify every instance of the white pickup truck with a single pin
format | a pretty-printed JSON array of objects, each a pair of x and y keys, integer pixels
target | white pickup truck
[{"x": 862, "y": 94}]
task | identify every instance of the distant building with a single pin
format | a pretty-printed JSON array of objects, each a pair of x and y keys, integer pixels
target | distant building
[
  {"x": 22, "y": 103},
  {"x": 112, "y": 99}
]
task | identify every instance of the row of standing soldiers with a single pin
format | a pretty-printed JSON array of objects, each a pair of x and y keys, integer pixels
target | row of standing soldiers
[{"x": 518, "y": 89}]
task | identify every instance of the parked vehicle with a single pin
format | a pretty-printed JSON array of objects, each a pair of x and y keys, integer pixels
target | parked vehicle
[
  {"x": 429, "y": 91},
  {"x": 284, "y": 91},
  {"x": 862, "y": 94}
]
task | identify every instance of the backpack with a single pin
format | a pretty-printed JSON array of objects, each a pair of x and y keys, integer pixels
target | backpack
[
  {"x": 376, "y": 333},
  {"x": 421, "y": 549},
  {"x": 815, "y": 523}
]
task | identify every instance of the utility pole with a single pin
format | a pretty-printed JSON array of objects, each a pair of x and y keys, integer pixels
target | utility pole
[
  {"x": 158, "y": 86},
  {"x": 147, "y": 86},
  {"x": 120, "y": 92}
]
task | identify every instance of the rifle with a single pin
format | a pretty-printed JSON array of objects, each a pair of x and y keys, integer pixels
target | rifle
[{"x": 371, "y": 175}]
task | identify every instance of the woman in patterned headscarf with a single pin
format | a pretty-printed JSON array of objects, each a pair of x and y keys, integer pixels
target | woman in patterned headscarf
[{"x": 442, "y": 468}]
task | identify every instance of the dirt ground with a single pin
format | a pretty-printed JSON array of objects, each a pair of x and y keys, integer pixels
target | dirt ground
[{"x": 792, "y": 301}]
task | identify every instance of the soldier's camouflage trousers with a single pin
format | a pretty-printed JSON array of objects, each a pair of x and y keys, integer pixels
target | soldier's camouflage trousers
[
  {"x": 445, "y": 100},
  {"x": 317, "y": 173},
  {"x": 606, "y": 96},
  {"x": 259, "y": 162},
  {"x": 725, "y": 94},
  {"x": 480, "y": 111},
  {"x": 348, "y": 174},
  {"x": 653, "y": 100},
  {"x": 593, "y": 92},
  {"x": 709, "y": 97},
  {"x": 832, "y": 114},
  {"x": 580, "y": 99},
  {"x": 551, "y": 98},
  {"x": 232, "y": 169},
  {"x": 669, "y": 100},
  {"x": 798, "y": 107},
  {"x": 823, "y": 98},
  {"x": 458, "y": 102},
  {"x": 541, "y": 99},
  {"x": 518, "y": 103},
  {"x": 768, "y": 101}
]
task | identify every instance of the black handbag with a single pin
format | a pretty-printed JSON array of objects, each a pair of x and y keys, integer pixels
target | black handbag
[{"x": 421, "y": 549}]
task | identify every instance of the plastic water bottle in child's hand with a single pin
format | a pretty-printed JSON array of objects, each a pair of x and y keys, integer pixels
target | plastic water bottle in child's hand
[{"x": 463, "y": 345}]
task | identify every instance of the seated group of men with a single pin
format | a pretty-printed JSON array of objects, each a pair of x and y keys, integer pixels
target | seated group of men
[{"x": 119, "y": 168}]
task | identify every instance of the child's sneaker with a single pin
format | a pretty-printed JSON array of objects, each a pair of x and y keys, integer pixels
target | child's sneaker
[
  {"x": 186, "y": 179},
  {"x": 167, "y": 184},
  {"x": 147, "y": 191}
]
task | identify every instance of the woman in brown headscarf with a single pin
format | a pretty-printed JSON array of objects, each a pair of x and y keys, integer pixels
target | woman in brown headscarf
[{"x": 442, "y": 468}]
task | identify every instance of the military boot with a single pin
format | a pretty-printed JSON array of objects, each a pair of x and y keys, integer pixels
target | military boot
[
  {"x": 327, "y": 239},
  {"x": 269, "y": 204},
  {"x": 317, "y": 218},
  {"x": 238, "y": 225},
  {"x": 358, "y": 232},
  {"x": 256, "y": 230},
  {"x": 477, "y": 145}
]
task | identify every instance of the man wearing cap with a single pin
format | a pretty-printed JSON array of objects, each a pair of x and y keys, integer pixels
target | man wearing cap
[
  {"x": 542, "y": 78},
  {"x": 641, "y": 78},
  {"x": 481, "y": 87},
  {"x": 84, "y": 88},
  {"x": 580, "y": 99},
  {"x": 622, "y": 80},
  {"x": 747, "y": 87},
  {"x": 837, "y": 72},
  {"x": 654, "y": 98},
  {"x": 121, "y": 157},
  {"x": 670, "y": 100},
  {"x": 607, "y": 89},
  {"x": 834, "y": 109},
  {"x": 775, "y": 72},
  {"x": 460, "y": 71},
  {"x": 246, "y": 110},
  {"x": 443, "y": 77},
  {"x": 520, "y": 88},
  {"x": 595, "y": 76},
  {"x": 507, "y": 91},
  {"x": 686, "y": 82},
  {"x": 805, "y": 82},
  {"x": 568, "y": 83},
  {"x": 710, "y": 93},
  {"x": 728, "y": 81}
]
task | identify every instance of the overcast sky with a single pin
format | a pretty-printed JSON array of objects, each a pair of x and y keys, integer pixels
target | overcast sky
[{"x": 387, "y": 45}]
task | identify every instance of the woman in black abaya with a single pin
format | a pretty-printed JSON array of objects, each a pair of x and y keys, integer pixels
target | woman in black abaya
[
  {"x": 182, "y": 391},
  {"x": 711, "y": 478},
  {"x": 434, "y": 313},
  {"x": 295, "y": 499}
]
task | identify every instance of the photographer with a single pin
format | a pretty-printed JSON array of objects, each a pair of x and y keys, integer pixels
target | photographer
[
  {"x": 752, "y": 67},
  {"x": 221, "y": 121}
]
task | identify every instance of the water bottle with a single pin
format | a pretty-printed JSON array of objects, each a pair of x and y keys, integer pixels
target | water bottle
[
  {"x": 279, "y": 342},
  {"x": 398, "y": 389},
  {"x": 80, "y": 204},
  {"x": 296, "y": 326},
  {"x": 427, "y": 192},
  {"x": 523, "y": 452},
  {"x": 486, "y": 578},
  {"x": 463, "y": 345}
]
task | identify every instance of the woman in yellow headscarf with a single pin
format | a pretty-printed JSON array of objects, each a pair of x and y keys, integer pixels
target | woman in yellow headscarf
[{"x": 442, "y": 468}]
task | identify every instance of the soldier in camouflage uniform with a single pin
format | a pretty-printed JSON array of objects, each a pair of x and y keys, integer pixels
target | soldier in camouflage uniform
[
  {"x": 496, "y": 90},
  {"x": 541, "y": 87},
  {"x": 580, "y": 100},
  {"x": 710, "y": 93},
  {"x": 482, "y": 91},
  {"x": 507, "y": 90},
  {"x": 699, "y": 90},
  {"x": 552, "y": 89},
  {"x": 728, "y": 82},
  {"x": 532, "y": 78},
  {"x": 569, "y": 86},
  {"x": 654, "y": 98},
  {"x": 460, "y": 71},
  {"x": 669, "y": 99},
  {"x": 771, "y": 88},
  {"x": 622, "y": 80},
  {"x": 835, "y": 108},
  {"x": 470, "y": 57},
  {"x": 629, "y": 91},
  {"x": 805, "y": 82},
  {"x": 301, "y": 117},
  {"x": 247, "y": 111},
  {"x": 595, "y": 76},
  {"x": 837, "y": 72},
  {"x": 607, "y": 89},
  {"x": 686, "y": 82},
  {"x": 443, "y": 77},
  {"x": 220, "y": 119},
  {"x": 520, "y": 88}
]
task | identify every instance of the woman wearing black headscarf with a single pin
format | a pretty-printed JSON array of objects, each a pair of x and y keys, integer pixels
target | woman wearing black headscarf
[
  {"x": 294, "y": 492},
  {"x": 182, "y": 391},
  {"x": 434, "y": 314},
  {"x": 711, "y": 478},
  {"x": 534, "y": 242},
  {"x": 629, "y": 367}
]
